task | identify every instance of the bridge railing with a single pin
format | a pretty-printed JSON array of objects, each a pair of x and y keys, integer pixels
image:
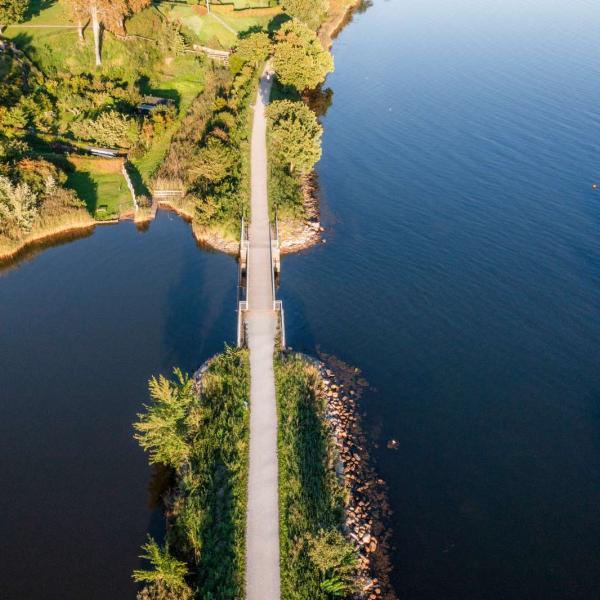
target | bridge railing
[
  {"x": 275, "y": 267},
  {"x": 244, "y": 268}
]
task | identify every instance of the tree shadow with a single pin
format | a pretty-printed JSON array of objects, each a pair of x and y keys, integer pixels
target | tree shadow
[
  {"x": 86, "y": 188},
  {"x": 248, "y": 32},
  {"x": 276, "y": 22},
  {"x": 145, "y": 88},
  {"x": 23, "y": 42},
  {"x": 137, "y": 181},
  {"x": 35, "y": 7},
  {"x": 319, "y": 100}
]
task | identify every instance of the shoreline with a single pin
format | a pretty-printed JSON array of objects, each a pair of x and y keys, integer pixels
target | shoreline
[
  {"x": 335, "y": 22},
  {"x": 366, "y": 509},
  {"x": 58, "y": 233}
]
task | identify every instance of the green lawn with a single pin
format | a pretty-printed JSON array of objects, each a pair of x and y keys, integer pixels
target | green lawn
[
  {"x": 100, "y": 183},
  {"x": 208, "y": 29}
]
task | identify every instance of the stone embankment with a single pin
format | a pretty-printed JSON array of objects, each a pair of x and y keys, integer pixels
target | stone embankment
[{"x": 367, "y": 508}]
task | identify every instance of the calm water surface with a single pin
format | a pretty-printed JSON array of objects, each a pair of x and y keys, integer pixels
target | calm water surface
[
  {"x": 82, "y": 328},
  {"x": 462, "y": 274}
]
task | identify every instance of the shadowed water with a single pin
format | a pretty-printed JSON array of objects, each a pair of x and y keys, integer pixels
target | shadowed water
[
  {"x": 462, "y": 274},
  {"x": 83, "y": 326}
]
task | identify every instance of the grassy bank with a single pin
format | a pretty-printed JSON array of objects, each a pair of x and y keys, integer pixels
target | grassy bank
[
  {"x": 316, "y": 560},
  {"x": 203, "y": 436},
  {"x": 48, "y": 227}
]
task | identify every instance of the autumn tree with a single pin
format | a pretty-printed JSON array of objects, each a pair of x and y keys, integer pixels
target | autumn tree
[
  {"x": 12, "y": 11},
  {"x": 104, "y": 14},
  {"x": 310, "y": 12},
  {"x": 295, "y": 135},
  {"x": 299, "y": 59},
  {"x": 254, "y": 48}
]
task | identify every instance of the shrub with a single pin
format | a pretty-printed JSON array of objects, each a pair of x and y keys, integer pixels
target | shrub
[
  {"x": 110, "y": 128},
  {"x": 18, "y": 208}
]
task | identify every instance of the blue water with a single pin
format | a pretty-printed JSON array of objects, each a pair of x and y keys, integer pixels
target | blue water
[
  {"x": 83, "y": 326},
  {"x": 462, "y": 274}
]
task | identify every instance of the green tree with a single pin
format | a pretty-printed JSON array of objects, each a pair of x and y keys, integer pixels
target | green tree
[
  {"x": 254, "y": 49},
  {"x": 12, "y": 11},
  {"x": 214, "y": 161},
  {"x": 110, "y": 128},
  {"x": 18, "y": 208},
  {"x": 295, "y": 135},
  {"x": 166, "y": 579},
  {"x": 299, "y": 59},
  {"x": 336, "y": 560},
  {"x": 163, "y": 429},
  {"x": 310, "y": 12}
]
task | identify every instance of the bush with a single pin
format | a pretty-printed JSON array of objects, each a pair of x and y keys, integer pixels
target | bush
[
  {"x": 110, "y": 128},
  {"x": 18, "y": 208}
]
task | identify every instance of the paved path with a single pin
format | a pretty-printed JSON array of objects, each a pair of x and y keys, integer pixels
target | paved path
[{"x": 262, "y": 527}]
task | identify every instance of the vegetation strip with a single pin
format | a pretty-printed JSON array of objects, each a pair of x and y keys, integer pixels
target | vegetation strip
[{"x": 199, "y": 428}]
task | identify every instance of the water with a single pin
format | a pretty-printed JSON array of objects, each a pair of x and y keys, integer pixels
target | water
[
  {"x": 83, "y": 327},
  {"x": 462, "y": 274}
]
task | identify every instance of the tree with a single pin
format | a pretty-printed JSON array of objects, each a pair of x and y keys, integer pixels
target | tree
[
  {"x": 255, "y": 48},
  {"x": 12, "y": 11},
  {"x": 18, "y": 208},
  {"x": 110, "y": 128},
  {"x": 310, "y": 12},
  {"x": 295, "y": 136},
  {"x": 108, "y": 14},
  {"x": 164, "y": 427},
  {"x": 299, "y": 59},
  {"x": 166, "y": 579},
  {"x": 214, "y": 161}
]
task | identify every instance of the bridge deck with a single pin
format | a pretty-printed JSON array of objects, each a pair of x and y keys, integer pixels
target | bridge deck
[{"x": 262, "y": 527}]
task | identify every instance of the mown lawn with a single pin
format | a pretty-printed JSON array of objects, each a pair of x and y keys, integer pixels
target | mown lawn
[
  {"x": 209, "y": 29},
  {"x": 101, "y": 185}
]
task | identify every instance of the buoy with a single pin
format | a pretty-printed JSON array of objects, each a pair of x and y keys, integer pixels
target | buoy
[{"x": 594, "y": 186}]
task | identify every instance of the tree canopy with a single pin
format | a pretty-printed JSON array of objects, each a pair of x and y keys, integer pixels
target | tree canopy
[
  {"x": 310, "y": 12},
  {"x": 299, "y": 59},
  {"x": 295, "y": 136},
  {"x": 255, "y": 48},
  {"x": 12, "y": 11}
]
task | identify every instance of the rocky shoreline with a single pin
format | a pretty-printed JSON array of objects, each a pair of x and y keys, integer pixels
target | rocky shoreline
[{"x": 367, "y": 508}]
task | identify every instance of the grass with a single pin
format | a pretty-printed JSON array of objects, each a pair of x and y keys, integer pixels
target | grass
[
  {"x": 187, "y": 87},
  {"x": 209, "y": 29},
  {"x": 101, "y": 185},
  {"x": 310, "y": 496}
]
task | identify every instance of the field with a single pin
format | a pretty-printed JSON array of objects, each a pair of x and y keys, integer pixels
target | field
[{"x": 219, "y": 28}]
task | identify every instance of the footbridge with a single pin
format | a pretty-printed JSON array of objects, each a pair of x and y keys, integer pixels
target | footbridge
[{"x": 260, "y": 323}]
